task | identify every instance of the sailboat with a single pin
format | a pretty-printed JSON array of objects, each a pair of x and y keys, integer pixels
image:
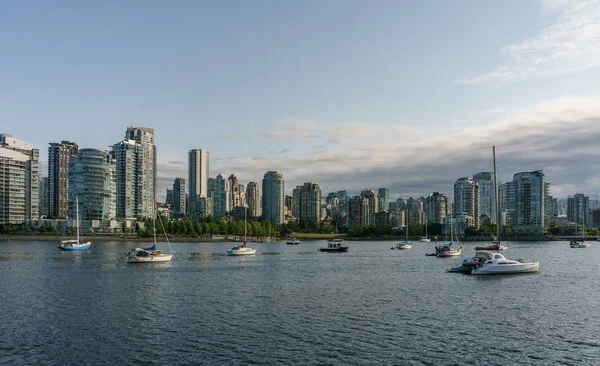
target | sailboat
[
  {"x": 405, "y": 244},
  {"x": 425, "y": 239},
  {"x": 242, "y": 249},
  {"x": 448, "y": 249},
  {"x": 582, "y": 243},
  {"x": 498, "y": 264},
  {"x": 75, "y": 244},
  {"x": 151, "y": 254},
  {"x": 495, "y": 245}
]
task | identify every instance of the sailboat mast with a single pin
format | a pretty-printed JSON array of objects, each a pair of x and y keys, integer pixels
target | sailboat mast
[
  {"x": 154, "y": 223},
  {"x": 77, "y": 214},
  {"x": 245, "y": 221},
  {"x": 496, "y": 197}
]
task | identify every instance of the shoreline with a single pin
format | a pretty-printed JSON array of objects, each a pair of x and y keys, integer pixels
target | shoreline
[{"x": 102, "y": 238}]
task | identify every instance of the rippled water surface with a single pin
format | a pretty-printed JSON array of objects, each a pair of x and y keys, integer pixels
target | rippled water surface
[{"x": 295, "y": 305}]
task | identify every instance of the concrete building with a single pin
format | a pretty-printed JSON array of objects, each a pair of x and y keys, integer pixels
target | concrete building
[
  {"x": 253, "y": 199},
  {"x": 19, "y": 179},
  {"x": 59, "y": 155},
  {"x": 530, "y": 194},
  {"x": 578, "y": 209},
  {"x": 273, "y": 193},
  {"x": 202, "y": 208},
  {"x": 92, "y": 179},
  {"x": 136, "y": 173},
  {"x": 466, "y": 198},
  {"x": 179, "y": 197},
  {"x": 307, "y": 204},
  {"x": 383, "y": 195},
  {"x": 198, "y": 170},
  {"x": 487, "y": 196}
]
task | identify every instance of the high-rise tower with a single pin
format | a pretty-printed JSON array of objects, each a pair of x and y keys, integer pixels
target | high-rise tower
[
  {"x": 59, "y": 155},
  {"x": 273, "y": 197}
]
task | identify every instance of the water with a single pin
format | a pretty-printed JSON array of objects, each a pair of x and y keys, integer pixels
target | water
[{"x": 294, "y": 305}]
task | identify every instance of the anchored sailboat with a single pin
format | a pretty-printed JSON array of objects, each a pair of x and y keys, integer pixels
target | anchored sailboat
[
  {"x": 75, "y": 244},
  {"x": 151, "y": 254}
]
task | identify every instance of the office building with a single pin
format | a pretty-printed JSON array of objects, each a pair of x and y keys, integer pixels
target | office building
[
  {"x": 198, "y": 170},
  {"x": 384, "y": 199},
  {"x": 219, "y": 195}
]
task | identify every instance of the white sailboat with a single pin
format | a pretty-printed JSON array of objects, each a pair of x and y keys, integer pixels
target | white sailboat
[
  {"x": 151, "y": 254},
  {"x": 449, "y": 249},
  {"x": 242, "y": 249},
  {"x": 75, "y": 244},
  {"x": 405, "y": 244},
  {"x": 498, "y": 264}
]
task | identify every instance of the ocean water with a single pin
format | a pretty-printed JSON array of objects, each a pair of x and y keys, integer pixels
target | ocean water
[{"x": 295, "y": 305}]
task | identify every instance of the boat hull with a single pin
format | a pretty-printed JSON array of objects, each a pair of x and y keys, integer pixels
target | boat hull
[
  {"x": 334, "y": 250},
  {"x": 532, "y": 267},
  {"x": 150, "y": 259},
  {"x": 425, "y": 240},
  {"x": 449, "y": 253},
  {"x": 247, "y": 251},
  {"x": 85, "y": 246}
]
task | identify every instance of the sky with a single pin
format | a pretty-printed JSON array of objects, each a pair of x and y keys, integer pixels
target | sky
[{"x": 353, "y": 95}]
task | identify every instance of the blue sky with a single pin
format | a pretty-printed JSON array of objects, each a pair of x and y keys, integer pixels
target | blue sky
[{"x": 348, "y": 94}]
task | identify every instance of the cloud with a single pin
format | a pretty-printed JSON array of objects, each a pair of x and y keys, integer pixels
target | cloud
[
  {"x": 569, "y": 45},
  {"x": 559, "y": 136}
]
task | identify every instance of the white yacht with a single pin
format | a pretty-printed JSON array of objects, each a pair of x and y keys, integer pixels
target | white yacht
[
  {"x": 579, "y": 244},
  {"x": 293, "y": 241},
  {"x": 152, "y": 254},
  {"x": 424, "y": 239},
  {"x": 500, "y": 265}
]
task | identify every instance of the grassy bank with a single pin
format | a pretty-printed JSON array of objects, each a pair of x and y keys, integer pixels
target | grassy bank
[{"x": 312, "y": 236}]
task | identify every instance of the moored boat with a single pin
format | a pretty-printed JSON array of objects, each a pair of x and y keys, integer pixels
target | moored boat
[
  {"x": 335, "y": 245},
  {"x": 468, "y": 264},
  {"x": 293, "y": 241},
  {"x": 75, "y": 244},
  {"x": 424, "y": 239},
  {"x": 151, "y": 254},
  {"x": 498, "y": 264},
  {"x": 240, "y": 250}
]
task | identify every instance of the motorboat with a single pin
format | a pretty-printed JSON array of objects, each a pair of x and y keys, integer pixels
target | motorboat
[
  {"x": 498, "y": 264},
  {"x": 424, "y": 239},
  {"x": 579, "y": 244},
  {"x": 75, "y": 244},
  {"x": 468, "y": 264},
  {"x": 293, "y": 241},
  {"x": 335, "y": 245}
]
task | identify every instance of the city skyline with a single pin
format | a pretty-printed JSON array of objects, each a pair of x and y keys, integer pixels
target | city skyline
[{"x": 352, "y": 97}]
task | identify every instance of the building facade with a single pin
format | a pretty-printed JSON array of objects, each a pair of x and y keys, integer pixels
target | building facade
[
  {"x": 219, "y": 196},
  {"x": 59, "y": 155},
  {"x": 92, "y": 180},
  {"x": 530, "y": 193},
  {"x": 383, "y": 195},
  {"x": 487, "y": 196},
  {"x": 466, "y": 198},
  {"x": 307, "y": 204},
  {"x": 253, "y": 199},
  {"x": 179, "y": 197},
  {"x": 136, "y": 173},
  {"x": 273, "y": 195},
  {"x": 19, "y": 179},
  {"x": 198, "y": 170},
  {"x": 578, "y": 209},
  {"x": 435, "y": 208}
]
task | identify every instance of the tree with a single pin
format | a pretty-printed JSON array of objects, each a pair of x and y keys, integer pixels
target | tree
[{"x": 125, "y": 228}]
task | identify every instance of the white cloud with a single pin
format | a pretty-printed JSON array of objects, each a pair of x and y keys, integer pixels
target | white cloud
[
  {"x": 557, "y": 135},
  {"x": 569, "y": 45}
]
